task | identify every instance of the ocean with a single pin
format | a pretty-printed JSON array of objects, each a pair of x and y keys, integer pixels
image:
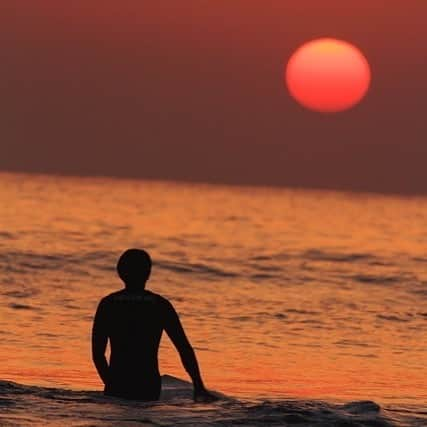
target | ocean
[{"x": 304, "y": 307}]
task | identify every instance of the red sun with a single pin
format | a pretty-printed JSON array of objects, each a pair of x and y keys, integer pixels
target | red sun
[{"x": 328, "y": 75}]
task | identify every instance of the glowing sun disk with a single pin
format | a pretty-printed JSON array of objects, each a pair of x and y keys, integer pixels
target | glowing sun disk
[{"x": 328, "y": 75}]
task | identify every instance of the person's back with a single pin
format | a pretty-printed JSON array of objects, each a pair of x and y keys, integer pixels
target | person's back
[
  {"x": 133, "y": 319},
  {"x": 134, "y": 322}
]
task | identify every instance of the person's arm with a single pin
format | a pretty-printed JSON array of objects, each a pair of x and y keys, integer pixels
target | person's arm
[
  {"x": 99, "y": 342},
  {"x": 177, "y": 335}
]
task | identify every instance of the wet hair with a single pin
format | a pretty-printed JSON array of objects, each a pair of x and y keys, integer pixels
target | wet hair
[{"x": 134, "y": 267}]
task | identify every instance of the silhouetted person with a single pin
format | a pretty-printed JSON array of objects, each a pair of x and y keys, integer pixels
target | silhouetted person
[{"x": 133, "y": 319}]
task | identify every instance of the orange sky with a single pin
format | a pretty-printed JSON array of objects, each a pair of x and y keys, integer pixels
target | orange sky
[{"x": 194, "y": 90}]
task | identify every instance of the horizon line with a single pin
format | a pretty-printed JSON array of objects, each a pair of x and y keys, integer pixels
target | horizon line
[{"x": 199, "y": 182}]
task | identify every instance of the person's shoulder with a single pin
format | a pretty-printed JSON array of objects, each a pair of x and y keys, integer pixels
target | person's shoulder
[
  {"x": 111, "y": 297},
  {"x": 155, "y": 297},
  {"x": 161, "y": 300}
]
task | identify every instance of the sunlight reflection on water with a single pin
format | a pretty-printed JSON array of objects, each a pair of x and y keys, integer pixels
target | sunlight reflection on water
[{"x": 283, "y": 292}]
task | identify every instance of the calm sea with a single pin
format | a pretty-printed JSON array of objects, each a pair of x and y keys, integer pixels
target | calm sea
[{"x": 298, "y": 303}]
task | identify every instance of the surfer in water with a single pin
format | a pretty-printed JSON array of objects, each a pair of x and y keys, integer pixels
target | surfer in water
[{"x": 133, "y": 319}]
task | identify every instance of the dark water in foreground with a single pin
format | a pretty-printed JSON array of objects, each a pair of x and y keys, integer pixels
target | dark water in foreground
[
  {"x": 31, "y": 406},
  {"x": 292, "y": 299}
]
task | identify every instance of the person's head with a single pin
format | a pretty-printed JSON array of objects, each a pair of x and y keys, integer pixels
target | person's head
[{"x": 134, "y": 268}]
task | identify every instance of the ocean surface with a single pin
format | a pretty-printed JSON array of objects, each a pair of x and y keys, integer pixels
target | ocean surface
[{"x": 305, "y": 308}]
